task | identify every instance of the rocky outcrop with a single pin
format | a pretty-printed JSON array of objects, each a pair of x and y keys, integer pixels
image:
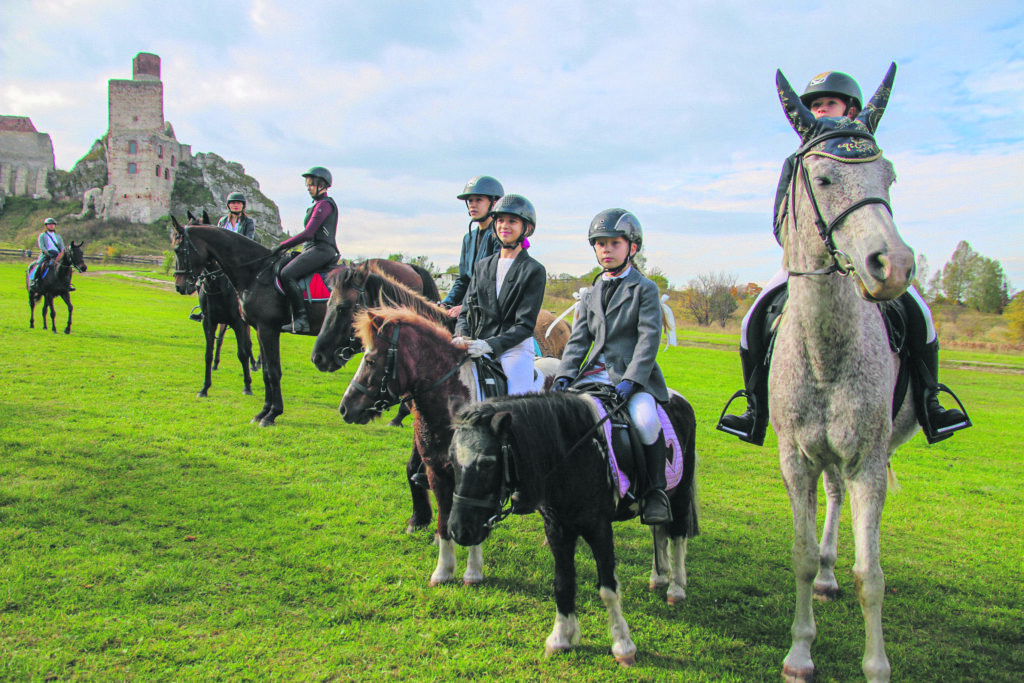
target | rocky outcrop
[
  {"x": 205, "y": 181},
  {"x": 89, "y": 172}
]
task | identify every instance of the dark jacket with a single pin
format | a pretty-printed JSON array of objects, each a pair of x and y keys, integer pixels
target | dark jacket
[
  {"x": 627, "y": 335},
  {"x": 476, "y": 245},
  {"x": 246, "y": 227},
  {"x": 321, "y": 226},
  {"x": 506, "y": 320}
]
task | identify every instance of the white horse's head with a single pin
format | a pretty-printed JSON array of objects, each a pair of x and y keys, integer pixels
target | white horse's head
[{"x": 839, "y": 217}]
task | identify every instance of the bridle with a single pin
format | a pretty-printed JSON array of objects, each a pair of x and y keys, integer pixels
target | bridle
[
  {"x": 196, "y": 280},
  {"x": 499, "y": 502},
  {"x": 840, "y": 262},
  {"x": 69, "y": 258},
  {"x": 344, "y": 354},
  {"x": 384, "y": 395}
]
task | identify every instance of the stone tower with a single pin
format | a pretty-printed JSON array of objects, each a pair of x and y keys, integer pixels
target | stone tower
[
  {"x": 142, "y": 153},
  {"x": 26, "y": 158}
]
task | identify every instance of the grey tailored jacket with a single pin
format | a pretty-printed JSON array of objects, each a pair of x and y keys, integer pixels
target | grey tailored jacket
[
  {"x": 506, "y": 320},
  {"x": 627, "y": 335}
]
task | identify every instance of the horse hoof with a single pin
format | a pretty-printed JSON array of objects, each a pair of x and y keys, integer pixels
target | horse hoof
[
  {"x": 412, "y": 527},
  {"x": 826, "y": 593},
  {"x": 472, "y": 583},
  {"x": 247, "y": 391},
  {"x": 201, "y": 394},
  {"x": 395, "y": 423},
  {"x": 267, "y": 422},
  {"x": 674, "y": 600},
  {"x": 626, "y": 660},
  {"x": 801, "y": 675}
]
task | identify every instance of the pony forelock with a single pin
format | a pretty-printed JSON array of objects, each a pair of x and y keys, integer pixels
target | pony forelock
[{"x": 367, "y": 324}]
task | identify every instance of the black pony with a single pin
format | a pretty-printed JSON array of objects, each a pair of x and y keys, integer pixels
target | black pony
[
  {"x": 548, "y": 448},
  {"x": 56, "y": 281}
]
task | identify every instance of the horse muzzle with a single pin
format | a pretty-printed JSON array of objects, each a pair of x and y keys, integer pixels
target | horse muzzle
[
  {"x": 886, "y": 274},
  {"x": 468, "y": 527}
]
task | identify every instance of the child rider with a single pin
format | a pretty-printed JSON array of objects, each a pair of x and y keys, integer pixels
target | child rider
[{"x": 619, "y": 323}]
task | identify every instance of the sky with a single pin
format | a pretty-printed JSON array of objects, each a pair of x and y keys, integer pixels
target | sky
[{"x": 667, "y": 109}]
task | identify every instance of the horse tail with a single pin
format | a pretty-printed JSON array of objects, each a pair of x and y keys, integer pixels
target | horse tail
[
  {"x": 430, "y": 290},
  {"x": 685, "y": 522}
]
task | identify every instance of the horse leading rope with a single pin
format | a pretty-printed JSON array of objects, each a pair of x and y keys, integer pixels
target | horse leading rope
[{"x": 840, "y": 262}]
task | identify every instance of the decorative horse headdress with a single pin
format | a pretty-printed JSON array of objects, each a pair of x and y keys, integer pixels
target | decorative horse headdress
[{"x": 858, "y": 147}]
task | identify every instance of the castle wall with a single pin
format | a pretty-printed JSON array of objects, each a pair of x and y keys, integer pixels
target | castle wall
[{"x": 26, "y": 158}]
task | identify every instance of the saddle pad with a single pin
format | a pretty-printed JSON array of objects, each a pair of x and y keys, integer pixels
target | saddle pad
[
  {"x": 313, "y": 287},
  {"x": 674, "y": 466}
]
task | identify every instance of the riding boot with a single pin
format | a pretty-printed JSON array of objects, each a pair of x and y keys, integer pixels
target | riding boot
[
  {"x": 937, "y": 422},
  {"x": 656, "y": 508},
  {"x": 752, "y": 424},
  {"x": 300, "y": 320}
]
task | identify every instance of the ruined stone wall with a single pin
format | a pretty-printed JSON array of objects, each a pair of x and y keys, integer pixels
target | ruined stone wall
[{"x": 26, "y": 158}]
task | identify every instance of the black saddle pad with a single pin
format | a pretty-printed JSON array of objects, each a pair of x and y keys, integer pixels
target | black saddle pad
[{"x": 491, "y": 377}]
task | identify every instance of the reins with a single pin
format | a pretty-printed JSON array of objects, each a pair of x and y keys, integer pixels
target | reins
[{"x": 840, "y": 262}]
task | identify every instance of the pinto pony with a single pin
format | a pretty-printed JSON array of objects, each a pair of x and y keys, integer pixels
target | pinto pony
[
  {"x": 547, "y": 448},
  {"x": 55, "y": 282},
  {"x": 832, "y": 378}
]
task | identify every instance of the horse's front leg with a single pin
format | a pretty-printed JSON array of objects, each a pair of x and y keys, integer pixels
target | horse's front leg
[
  {"x": 71, "y": 309},
  {"x": 403, "y": 412},
  {"x": 669, "y": 570},
  {"x": 825, "y": 585},
  {"x": 208, "y": 332},
  {"x": 566, "y": 633},
  {"x": 31, "y": 311},
  {"x": 220, "y": 331},
  {"x": 414, "y": 474},
  {"x": 270, "y": 352},
  {"x": 602, "y": 544},
  {"x": 443, "y": 487},
  {"x": 867, "y": 499},
  {"x": 801, "y": 480},
  {"x": 53, "y": 314}
]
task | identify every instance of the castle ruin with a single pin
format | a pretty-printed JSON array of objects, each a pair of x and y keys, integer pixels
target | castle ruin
[
  {"x": 26, "y": 158},
  {"x": 142, "y": 153}
]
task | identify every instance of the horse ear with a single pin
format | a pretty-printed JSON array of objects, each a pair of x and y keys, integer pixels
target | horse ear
[
  {"x": 800, "y": 117},
  {"x": 176, "y": 224},
  {"x": 206, "y": 218},
  {"x": 500, "y": 421},
  {"x": 872, "y": 113},
  {"x": 456, "y": 404}
]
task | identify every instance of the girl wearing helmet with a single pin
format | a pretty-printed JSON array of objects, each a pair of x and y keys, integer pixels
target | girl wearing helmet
[
  {"x": 480, "y": 194},
  {"x": 504, "y": 297},
  {"x": 319, "y": 248},
  {"x": 50, "y": 246},
  {"x": 832, "y": 93},
  {"x": 237, "y": 219},
  {"x": 615, "y": 341}
]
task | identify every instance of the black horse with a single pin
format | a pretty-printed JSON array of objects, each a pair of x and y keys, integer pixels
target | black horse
[
  {"x": 249, "y": 267},
  {"x": 55, "y": 282},
  {"x": 546, "y": 447}
]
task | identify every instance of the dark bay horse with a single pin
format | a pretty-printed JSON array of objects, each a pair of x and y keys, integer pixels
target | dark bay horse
[
  {"x": 220, "y": 306},
  {"x": 55, "y": 282},
  {"x": 833, "y": 374},
  {"x": 409, "y": 357},
  {"x": 544, "y": 446},
  {"x": 248, "y": 266}
]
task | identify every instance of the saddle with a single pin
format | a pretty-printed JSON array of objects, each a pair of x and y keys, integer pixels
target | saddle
[
  {"x": 627, "y": 466},
  {"x": 894, "y": 317},
  {"x": 314, "y": 286},
  {"x": 491, "y": 380}
]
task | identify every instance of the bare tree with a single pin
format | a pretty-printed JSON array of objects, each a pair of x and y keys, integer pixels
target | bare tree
[{"x": 709, "y": 298}]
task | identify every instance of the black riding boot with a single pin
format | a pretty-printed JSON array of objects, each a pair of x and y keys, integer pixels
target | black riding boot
[
  {"x": 300, "y": 321},
  {"x": 656, "y": 508},
  {"x": 937, "y": 422},
  {"x": 751, "y": 425}
]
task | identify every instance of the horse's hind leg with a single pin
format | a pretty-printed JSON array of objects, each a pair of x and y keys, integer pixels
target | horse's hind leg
[
  {"x": 53, "y": 314},
  {"x": 825, "y": 585},
  {"x": 220, "y": 330},
  {"x": 802, "y": 486},
  {"x": 31, "y": 312},
  {"x": 71, "y": 309},
  {"x": 208, "y": 331},
  {"x": 668, "y": 570},
  {"x": 244, "y": 348},
  {"x": 867, "y": 498}
]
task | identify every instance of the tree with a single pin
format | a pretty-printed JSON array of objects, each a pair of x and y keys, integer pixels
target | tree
[
  {"x": 921, "y": 274},
  {"x": 958, "y": 272},
  {"x": 987, "y": 290},
  {"x": 709, "y": 297},
  {"x": 1014, "y": 315}
]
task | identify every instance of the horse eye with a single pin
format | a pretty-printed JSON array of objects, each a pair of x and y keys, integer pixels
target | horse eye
[
  {"x": 822, "y": 181},
  {"x": 370, "y": 362}
]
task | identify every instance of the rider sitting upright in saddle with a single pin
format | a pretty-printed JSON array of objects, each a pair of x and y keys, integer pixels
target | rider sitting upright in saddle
[
  {"x": 834, "y": 94},
  {"x": 319, "y": 249},
  {"x": 615, "y": 341},
  {"x": 504, "y": 297},
  {"x": 480, "y": 194},
  {"x": 50, "y": 245}
]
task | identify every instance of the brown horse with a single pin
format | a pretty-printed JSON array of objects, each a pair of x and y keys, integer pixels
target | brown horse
[{"x": 410, "y": 358}]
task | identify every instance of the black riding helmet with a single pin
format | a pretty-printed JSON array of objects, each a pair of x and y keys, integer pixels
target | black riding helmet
[
  {"x": 617, "y": 223},
  {"x": 517, "y": 205},
  {"x": 484, "y": 185},
  {"x": 834, "y": 83},
  {"x": 321, "y": 174},
  {"x": 236, "y": 197}
]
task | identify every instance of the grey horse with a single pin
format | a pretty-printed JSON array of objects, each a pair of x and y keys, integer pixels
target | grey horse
[{"x": 833, "y": 374}]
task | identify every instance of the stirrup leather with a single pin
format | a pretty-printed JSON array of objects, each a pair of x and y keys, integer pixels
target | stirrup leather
[{"x": 742, "y": 393}]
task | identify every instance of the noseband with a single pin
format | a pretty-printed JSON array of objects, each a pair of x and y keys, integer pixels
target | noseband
[
  {"x": 343, "y": 354},
  {"x": 841, "y": 263},
  {"x": 499, "y": 502}
]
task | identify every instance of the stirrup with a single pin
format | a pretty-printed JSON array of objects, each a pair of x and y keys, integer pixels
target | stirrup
[
  {"x": 935, "y": 435},
  {"x": 663, "y": 516},
  {"x": 193, "y": 315},
  {"x": 757, "y": 431}
]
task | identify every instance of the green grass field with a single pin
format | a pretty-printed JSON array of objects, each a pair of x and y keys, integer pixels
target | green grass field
[{"x": 146, "y": 534}]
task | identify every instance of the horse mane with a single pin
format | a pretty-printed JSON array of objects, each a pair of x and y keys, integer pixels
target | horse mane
[
  {"x": 545, "y": 427},
  {"x": 390, "y": 292},
  {"x": 364, "y": 326}
]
